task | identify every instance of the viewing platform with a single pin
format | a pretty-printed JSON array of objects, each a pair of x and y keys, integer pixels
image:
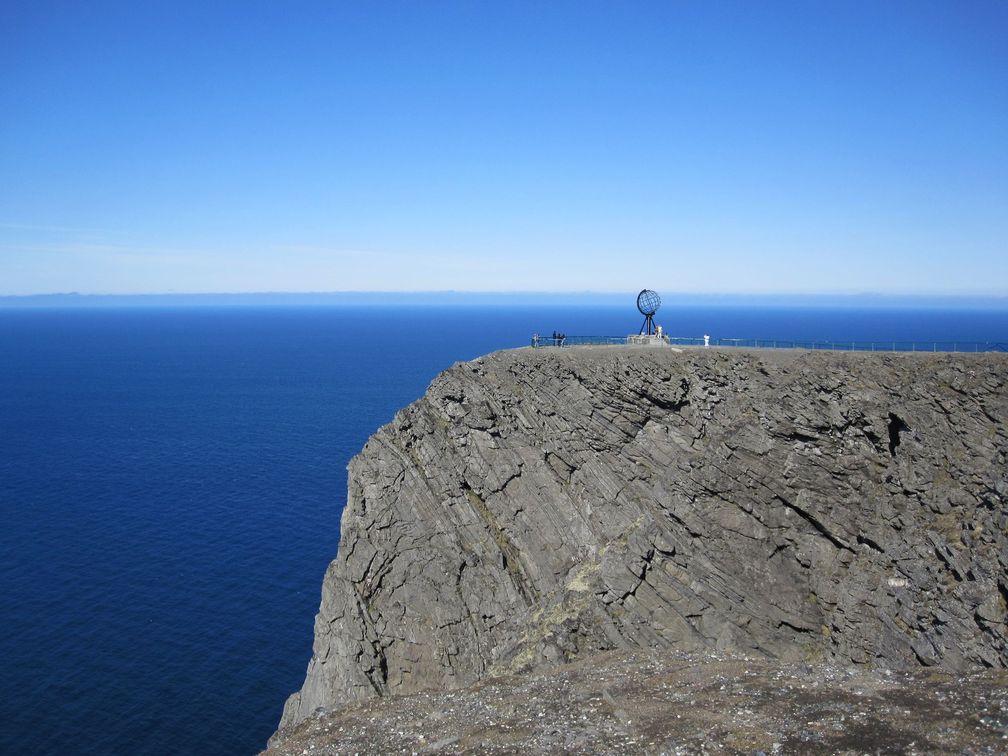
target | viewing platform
[{"x": 564, "y": 341}]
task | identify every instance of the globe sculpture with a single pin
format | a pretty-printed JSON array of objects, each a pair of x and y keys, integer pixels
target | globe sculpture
[{"x": 648, "y": 303}]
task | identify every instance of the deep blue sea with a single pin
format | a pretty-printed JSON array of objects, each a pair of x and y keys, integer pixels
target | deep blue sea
[{"x": 171, "y": 483}]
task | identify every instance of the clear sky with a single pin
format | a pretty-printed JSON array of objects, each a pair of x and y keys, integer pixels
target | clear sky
[{"x": 686, "y": 146}]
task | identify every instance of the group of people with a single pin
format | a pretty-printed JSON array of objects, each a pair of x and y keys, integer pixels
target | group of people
[{"x": 557, "y": 338}]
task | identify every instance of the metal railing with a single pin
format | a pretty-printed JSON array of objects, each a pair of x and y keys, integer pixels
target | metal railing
[{"x": 835, "y": 346}]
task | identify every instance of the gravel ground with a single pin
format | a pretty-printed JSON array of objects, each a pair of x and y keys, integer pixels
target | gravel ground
[{"x": 678, "y": 704}]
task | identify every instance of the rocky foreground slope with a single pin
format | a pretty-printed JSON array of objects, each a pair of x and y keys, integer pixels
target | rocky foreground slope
[
  {"x": 540, "y": 506},
  {"x": 673, "y": 702}
]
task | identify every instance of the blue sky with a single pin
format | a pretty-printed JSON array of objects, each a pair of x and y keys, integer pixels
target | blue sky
[{"x": 699, "y": 147}]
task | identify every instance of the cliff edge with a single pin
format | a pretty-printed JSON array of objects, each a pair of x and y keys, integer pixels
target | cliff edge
[{"x": 539, "y": 506}]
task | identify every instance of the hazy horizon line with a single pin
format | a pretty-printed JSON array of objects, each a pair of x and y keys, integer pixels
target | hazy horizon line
[{"x": 461, "y": 297}]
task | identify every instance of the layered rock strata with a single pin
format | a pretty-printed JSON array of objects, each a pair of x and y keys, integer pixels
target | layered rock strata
[{"x": 537, "y": 506}]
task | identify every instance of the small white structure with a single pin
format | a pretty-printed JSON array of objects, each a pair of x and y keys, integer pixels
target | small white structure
[
  {"x": 706, "y": 341},
  {"x": 645, "y": 339}
]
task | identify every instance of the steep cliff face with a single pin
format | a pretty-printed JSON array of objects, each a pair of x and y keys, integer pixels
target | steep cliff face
[{"x": 540, "y": 505}]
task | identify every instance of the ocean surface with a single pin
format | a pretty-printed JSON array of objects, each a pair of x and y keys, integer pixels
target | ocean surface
[{"x": 171, "y": 482}]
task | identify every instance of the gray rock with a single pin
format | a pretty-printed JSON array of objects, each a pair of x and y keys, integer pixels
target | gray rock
[
  {"x": 540, "y": 506},
  {"x": 670, "y": 702}
]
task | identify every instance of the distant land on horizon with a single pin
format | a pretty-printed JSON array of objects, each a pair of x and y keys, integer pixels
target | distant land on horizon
[{"x": 475, "y": 298}]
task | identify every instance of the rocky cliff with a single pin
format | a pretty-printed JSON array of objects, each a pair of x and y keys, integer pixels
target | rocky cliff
[{"x": 537, "y": 506}]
